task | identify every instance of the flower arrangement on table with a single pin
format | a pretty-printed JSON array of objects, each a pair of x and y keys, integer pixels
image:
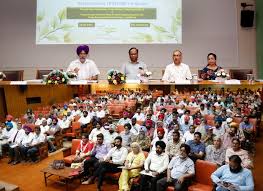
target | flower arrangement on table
[
  {"x": 222, "y": 75},
  {"x": 57, "y": 77},
  {"x": 2, "y": 76},
  {"x": 143, "y": 75},
  {"x": 115, "y": 77}
]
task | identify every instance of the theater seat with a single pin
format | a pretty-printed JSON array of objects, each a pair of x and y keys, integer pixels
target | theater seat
[
  {"x": 200, "y": 187},
  {"x": 16, "y": 75},
  {"x": 75, "y": 130},
  {"x": 240, "y": 74},
  {"x": 43, "y": 150},
  {"x": 203, "y": 171},
  {"x": 170, "y": 188},
  {"x": 40, "y": 73},
  {"x": 69, "y": 153}
]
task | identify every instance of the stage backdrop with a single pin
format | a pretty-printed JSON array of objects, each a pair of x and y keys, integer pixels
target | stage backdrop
[{"x": 207, "y": 26}]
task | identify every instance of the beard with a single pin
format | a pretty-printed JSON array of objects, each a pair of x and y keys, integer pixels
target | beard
[{"x": 237, "y": 170}]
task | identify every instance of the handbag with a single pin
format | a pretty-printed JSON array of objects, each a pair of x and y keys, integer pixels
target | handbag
[{"x": 58, "y": 164}]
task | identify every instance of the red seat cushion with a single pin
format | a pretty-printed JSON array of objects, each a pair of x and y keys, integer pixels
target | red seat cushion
[
  {"x": 170, "y": 188},
  {"x": 200, "y": 187},
  {"x": 69, "y": 159},
  {"x": 70, "y": 134}
]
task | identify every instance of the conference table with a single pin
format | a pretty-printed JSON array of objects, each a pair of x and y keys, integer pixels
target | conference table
[{"x": 17, "y": 97}]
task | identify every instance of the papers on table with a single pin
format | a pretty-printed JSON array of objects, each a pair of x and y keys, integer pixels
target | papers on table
[
  {"x": 147, "y": 173},
  {"x": 35, "y": 81},
  {"x": 92, "y": 81},
  {"x": 227, "y": 81},
  {"x": 82, "y": 82},
  {"x": 132, "y": 81},
  {"x": 181, "y": 82},
  {"x": 18, "y": 83},
  {"x": 232, "y": 82}
]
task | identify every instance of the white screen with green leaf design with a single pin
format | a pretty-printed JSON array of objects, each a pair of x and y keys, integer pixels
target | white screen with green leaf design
[{"x": 109, "y": 22}]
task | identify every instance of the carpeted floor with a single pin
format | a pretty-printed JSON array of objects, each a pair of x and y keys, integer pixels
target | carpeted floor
[{"x": 29, "y": 178}]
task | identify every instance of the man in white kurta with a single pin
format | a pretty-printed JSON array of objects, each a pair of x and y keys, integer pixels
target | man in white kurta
[
  {"x": 84, "y": 68},
  {"x": 177, "y": 71}
]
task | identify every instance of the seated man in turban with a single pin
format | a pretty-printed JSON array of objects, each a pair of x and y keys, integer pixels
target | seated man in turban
[
  {"x": 160, "y": 137},
  {"x": 85, "y": 69},
  {"x": 154, "y": 167},
  {"x": 143, "y": 140}
]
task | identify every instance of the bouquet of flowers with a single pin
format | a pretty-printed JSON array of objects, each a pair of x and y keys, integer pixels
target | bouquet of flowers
[
  {"x": 143, "y": 75},
  {"x": 72, "y": 75},
  {"x": 222, "y": 74},
  {"x": 2, "y": 76},
  {"x": 115, "y": 77},
  {"x": 57, "y": 77}
]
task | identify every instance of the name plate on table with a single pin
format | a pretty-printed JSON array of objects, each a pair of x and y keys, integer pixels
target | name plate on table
[
  {"x": 36, "y": 81},
  {"x": 132, "y": 81},
  {"x": 182, "y": 82},
  {"x": 82, "y": 82},
  {"x": 92, "y": 81},
  {"x": 78, "y": 82},
  {"x": 18, "y": 83},
  {"x": 232, "y": 82}
]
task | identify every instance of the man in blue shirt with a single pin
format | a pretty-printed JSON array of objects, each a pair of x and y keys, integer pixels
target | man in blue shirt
[
  {"x": 233, "y": 176},
  {"x": 245, "y": 125},
  {"x": 197, "y": 147}
]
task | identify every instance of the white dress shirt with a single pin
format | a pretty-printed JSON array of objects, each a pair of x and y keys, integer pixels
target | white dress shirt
[
  {"x": 75, "y": 113},
  {"x": 39, "y": 121},
  {"x": 109, "y": 137},
  {"x": 139, "y": 117},
  {"x": 188, "y": 136},
  {"x": 44, "y": 129},
  {"x": 100, "y": 114},
  {"x": 86, "y": 70},
  {"x": 64, "y": 123},
  {"x": 117, "y": 156},
  {"x": 177, "y": 72},
  {"x": 7, "y": 134},
  {"x": 27, "y": 139},
  {"x": 41, "y": 138},
  {"x": 84, "y": 120},
  {"x": 93, "y": 134},
  {"x": 155, "y": 162},
  {"x": 17, "y": 136}
]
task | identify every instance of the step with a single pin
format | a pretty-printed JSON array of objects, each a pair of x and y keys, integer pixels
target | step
[{"x": 8, "y": 186}]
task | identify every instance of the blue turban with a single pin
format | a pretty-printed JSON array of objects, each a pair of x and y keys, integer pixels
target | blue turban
[
  {"x": 143, "y": 128},
  {"x": 9, "y": 124},
  {"x": 81, "y": 48},
  {"x": 219, "y": 119}
]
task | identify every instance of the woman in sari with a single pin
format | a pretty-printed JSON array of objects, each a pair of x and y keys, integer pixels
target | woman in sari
[
  {"x": 208, "y": 73},
  {"x": 133, "y": 164}
]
